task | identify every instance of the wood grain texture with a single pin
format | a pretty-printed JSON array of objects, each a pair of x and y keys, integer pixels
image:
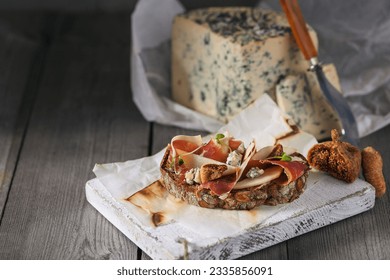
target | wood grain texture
[
  {"x": 163, "y": 135},
  {"x": 72, "y": 73},
  {"x": 353, "y": 238},
  {"x": 160, "y": 137},
  {"x": 258, "y": 230},
  {"x": 83, "y": 115},
  {"x": 21, "y": 54},
  {"x": 365, "y": 236}
]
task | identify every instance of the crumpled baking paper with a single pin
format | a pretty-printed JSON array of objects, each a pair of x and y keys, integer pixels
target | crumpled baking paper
[
  {"x": 353, "y": 36},
  {"x": 262, "y": 121},
  {"x": 150, "y": 67}
]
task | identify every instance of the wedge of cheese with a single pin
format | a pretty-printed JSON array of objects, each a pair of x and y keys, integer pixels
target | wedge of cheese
[
  {"x": 224, "y": 58},
  {"x": 300, "y": 96}
]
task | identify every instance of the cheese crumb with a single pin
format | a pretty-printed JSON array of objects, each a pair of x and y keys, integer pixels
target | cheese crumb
[
  {"x": 234, "y": 158},
  {"x": 254, "y": 172},
  {"x": 192, "y": 176}
]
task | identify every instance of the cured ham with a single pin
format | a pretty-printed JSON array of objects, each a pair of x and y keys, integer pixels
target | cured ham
[
  {"x": 215, "y": 170},
  {"x": 223, "y": 173},
  {"x": 224, "y": 185},
  {"x": 182, "y": 144},
  {"x": 215, "y": 150},
  {"x": 221, "y": 186},
  {"x": 291, "y": 169},
  {"x": 269, "y": 174},
  {"x": 196, "y": 161}
]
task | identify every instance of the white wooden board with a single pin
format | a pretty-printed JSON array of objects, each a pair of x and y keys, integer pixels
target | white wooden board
[{"x": 325, "y": 201}]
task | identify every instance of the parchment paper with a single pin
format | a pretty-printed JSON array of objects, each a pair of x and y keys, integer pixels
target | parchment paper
[
  {"x": 262, "y": 121},
  {"x": 354, "y": 35}
]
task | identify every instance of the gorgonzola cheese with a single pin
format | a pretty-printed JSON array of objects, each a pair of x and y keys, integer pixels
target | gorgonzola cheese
[
  {"x": 254, "y": 172},
  {"x": 224, "y": 58},
  {"x": 234, "y": 158},
  {"x": 192, "y": 176},
  {"x": 300, "y": 97}
]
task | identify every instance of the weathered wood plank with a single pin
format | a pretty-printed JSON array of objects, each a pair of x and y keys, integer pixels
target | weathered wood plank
[
  {"x": 83, "y": 115},
  {"x": 209, "y": 236},
  {"x": 21, "y": 53},
  {"x": 365, "y": 236},
  {"x": 275, "y": 252},
  {"x": 161, "y": 136}
]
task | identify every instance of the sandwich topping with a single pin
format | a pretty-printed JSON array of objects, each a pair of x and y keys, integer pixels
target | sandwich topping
[{"x": 224, "y": 164}]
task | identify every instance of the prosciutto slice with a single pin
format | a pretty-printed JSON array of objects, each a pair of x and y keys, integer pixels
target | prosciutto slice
[
  {"x": 182, "y": 144},
  {"x": 224, "y": 185},
  {"x": 189, "y": 152},
  {"x": 269, "y": 174},
  {"x": 221, "y": 186},
  {"x": 197, "y": 161},
  {"x": 291, "y": 169}
]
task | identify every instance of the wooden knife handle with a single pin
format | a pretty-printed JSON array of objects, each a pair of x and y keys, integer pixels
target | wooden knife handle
[{"x": 299, "y": 28}]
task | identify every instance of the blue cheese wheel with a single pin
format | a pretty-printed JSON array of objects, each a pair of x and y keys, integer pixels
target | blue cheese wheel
[{"x": 224, "y": 58}]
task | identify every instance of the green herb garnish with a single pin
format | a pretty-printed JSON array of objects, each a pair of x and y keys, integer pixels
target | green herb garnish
[
  {"x": 284, "y": 157},
  {"x": 218, "y": 137},
  {"x": 181, "y": 161}
]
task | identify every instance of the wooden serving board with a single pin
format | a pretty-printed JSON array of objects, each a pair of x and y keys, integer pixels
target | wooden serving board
[{"x": 325, "y": 201}]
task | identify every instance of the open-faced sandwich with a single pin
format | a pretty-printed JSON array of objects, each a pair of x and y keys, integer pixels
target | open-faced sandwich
[{"x": 223, "y": 173}]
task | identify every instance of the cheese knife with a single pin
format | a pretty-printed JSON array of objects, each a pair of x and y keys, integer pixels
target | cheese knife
[{"x": 337, "y": 101}]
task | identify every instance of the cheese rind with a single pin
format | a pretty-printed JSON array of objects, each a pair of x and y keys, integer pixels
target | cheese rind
[{"x": 225, "y": 58}]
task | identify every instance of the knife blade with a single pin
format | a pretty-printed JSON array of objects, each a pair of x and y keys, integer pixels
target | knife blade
[{"x": 333, "y": 96}]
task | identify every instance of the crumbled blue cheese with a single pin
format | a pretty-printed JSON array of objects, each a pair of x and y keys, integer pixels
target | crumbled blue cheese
[
  {"x": 254, "y": 172},
  {"x": 192, "y": 176},
  {"x": 234, "y": 158}
]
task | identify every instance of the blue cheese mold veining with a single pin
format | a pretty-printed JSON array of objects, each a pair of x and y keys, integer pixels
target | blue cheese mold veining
[{"x": 226, "y": 57}]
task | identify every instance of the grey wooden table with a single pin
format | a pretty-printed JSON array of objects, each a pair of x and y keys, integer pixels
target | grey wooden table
[{"x": 65, "y": 104}]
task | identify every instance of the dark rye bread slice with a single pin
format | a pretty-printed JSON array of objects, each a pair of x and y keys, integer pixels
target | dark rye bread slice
[{"x": 242, "y": 199}]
